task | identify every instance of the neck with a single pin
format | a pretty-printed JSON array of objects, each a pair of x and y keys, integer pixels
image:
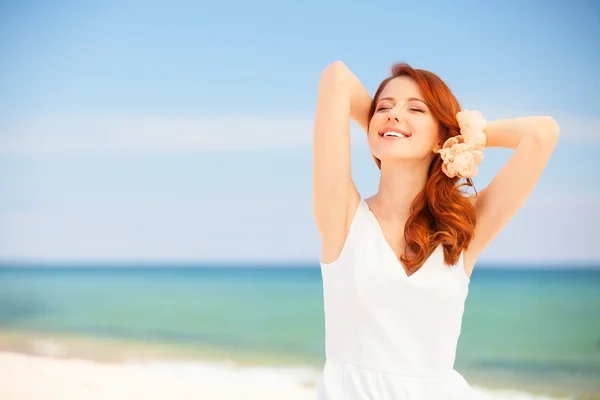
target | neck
[{"x": 399, "y": 185}]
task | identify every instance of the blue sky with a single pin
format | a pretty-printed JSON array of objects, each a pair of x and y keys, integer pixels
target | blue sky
[{"x": 150, "y": 132}]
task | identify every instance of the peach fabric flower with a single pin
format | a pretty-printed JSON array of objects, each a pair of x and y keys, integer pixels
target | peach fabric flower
[
  {"x": 472, "y": 124},
  {"x": 462, "y": 154}
]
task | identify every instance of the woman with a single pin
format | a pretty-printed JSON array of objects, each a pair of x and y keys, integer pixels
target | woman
[{"x": 396, "y": 266}]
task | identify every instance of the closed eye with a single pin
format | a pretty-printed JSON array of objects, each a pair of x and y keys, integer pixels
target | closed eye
[{"x": 411, "y": 109}]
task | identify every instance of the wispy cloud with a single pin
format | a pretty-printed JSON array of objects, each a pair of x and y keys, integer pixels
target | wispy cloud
[
  {"x": 575, "y": 129},
  {"x": 169, "y": 134},
  {"x": 151, "y": 134},
  {"x": 556, "y": 229},
  {"x": 216, "y": 229},
  {"x": 262, "y": 229},
  {"x": 581, "y": 129}
]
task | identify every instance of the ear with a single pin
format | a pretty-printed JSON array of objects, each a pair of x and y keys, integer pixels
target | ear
[{"x": 440, "y": 140}]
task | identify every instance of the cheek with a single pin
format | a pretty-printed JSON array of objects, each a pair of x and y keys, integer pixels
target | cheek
[
  {"x": 373, "y": 127},
  {"x": 376, "y": 120},
  {"x": 428, "y": 130}
]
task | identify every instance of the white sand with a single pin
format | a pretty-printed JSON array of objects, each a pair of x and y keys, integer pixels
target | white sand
[
  {"x": 26, "y": 377},
  {"x": 36, "y": 377}
]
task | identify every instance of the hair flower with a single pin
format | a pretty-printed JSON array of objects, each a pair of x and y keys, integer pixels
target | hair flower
[{"x": 462, "y": 154}]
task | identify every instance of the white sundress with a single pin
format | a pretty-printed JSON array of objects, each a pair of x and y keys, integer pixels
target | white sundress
[{"x": 390, "y": 336}]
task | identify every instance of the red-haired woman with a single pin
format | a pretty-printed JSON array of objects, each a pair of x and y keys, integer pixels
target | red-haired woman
[{"x": 396, "y": 266}]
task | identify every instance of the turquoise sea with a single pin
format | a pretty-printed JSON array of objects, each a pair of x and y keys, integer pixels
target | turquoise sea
[{"x": 528, "y": 328}]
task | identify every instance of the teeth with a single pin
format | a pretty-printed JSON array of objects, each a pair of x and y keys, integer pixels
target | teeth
[{"x": 394, "y": 134}]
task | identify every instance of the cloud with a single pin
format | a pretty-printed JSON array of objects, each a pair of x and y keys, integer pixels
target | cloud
[
  {"x": 151, "y": 134},
  {"x": 580, "y": 129},
  {"x": 209, "y": 231},
  {"x": 547, "y": 230},
  {"x": 53, "y": 134},
  {"x": 555, "y": 229},
  {"x": 575, "y": 129}
]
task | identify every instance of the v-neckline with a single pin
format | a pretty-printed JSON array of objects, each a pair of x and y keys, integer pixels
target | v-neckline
[{"x": 391, "y": 250}]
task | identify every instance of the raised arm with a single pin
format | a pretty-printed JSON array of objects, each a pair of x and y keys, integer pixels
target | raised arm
[
  {"x": 534, "y": 140},
  {"x": 341, "y": 97}
]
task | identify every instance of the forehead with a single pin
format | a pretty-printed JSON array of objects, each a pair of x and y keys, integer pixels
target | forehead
[{"x": 401, "y": 87}]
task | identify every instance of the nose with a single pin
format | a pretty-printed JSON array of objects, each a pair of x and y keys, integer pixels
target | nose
[{"x": 393, "y": 114}]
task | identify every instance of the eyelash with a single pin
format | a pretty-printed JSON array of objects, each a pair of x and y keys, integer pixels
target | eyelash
[{"x": 412, "y": 109}]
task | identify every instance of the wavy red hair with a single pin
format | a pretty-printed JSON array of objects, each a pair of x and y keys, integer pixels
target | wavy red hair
[{"x": 440, "y": 214}]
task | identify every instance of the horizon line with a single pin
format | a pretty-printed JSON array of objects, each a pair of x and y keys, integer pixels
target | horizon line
[{"x": 270, "y": 264}]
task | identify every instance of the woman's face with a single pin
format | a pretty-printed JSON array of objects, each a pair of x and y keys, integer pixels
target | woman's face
[{"x": 401, "y": 109}]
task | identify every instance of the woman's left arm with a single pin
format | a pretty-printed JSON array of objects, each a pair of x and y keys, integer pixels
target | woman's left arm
[{"x": 533, "y": 140}]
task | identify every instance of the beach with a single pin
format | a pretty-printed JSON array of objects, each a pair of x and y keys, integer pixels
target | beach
[{"x": 37, "y": 377}]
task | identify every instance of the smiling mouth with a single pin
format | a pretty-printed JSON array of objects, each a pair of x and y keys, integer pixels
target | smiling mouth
[{"x": 394, "y": 135}]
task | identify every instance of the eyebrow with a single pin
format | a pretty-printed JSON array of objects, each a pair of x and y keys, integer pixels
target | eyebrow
[{"x": 409, "y": 99}]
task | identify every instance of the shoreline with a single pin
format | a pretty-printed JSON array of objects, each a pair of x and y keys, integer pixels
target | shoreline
[
  {"x": 108, "y": 363},
  {"x": 110, "y": 349}
]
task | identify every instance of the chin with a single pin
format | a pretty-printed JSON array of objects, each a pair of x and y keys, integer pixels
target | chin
[
  {"x": 397, "y": 155},
  {"x": 411, "y": 158}
]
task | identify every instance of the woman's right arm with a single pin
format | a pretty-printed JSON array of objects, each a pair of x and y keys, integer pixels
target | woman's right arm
[{"x": 341, "y": 97}]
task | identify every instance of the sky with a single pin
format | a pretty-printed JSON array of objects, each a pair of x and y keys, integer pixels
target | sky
[{"x": 181, "y": 132}]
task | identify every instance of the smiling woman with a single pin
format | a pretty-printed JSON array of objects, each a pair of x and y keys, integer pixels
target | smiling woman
[
  {"x": 429, "y": 111},
  {"x": 396, "y": 267}
]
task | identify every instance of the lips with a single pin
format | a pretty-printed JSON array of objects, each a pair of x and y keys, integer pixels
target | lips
[{"x": 397, "y": 130}]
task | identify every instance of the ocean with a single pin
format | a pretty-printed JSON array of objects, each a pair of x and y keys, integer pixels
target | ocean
[{"x": 534, "y": 330}]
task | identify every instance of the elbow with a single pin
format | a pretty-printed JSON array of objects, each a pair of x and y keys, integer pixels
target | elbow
[
  {"x": 544, "y": 132},
  {"x": 334, "y": 71},
  {"x": 336, "y": 65},
  {"x": 548, "y": 130}
]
